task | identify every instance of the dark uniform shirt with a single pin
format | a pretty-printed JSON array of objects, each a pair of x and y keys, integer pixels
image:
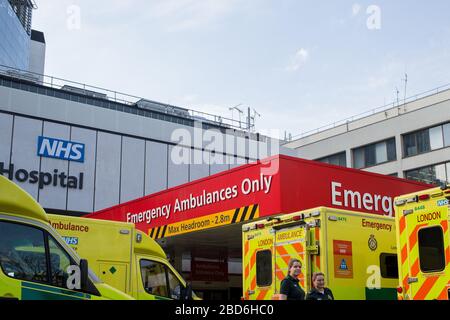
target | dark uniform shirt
[
  {"x": 291, "y": 288},
  {"x": 314, "y": 294}
]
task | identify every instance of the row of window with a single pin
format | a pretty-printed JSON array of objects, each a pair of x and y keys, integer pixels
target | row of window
[
  {"x": 434, "y": 174},
  {"x": 414, "y": 143},
  {"x": 374, "y": 154},
  {"x": 426, "y": 140}
]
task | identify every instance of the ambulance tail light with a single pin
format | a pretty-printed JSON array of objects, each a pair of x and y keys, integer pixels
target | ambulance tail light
[
  {"x": 447, "y": 192},
  {"x": 424, "y": 197},
  {"x": 297, "y": 218},
  {"x": 260, "y": 226},
  {"x": 399, "y": 290}
]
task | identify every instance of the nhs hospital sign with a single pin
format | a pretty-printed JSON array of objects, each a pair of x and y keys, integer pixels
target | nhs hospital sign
[{"x": 61, "y": 149}]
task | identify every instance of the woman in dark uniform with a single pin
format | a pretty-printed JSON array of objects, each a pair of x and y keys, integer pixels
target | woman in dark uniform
[
  {"x": 319, "y": 292},
  {"x": 290, "y": 287}
]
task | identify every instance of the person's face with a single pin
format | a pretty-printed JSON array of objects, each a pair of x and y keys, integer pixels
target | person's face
[
  {"x": 319, "y": 283},
  {"x": 295, "y": 270}
]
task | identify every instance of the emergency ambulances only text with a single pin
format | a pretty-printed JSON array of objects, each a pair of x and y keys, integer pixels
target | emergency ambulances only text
[{"x": 246, "y": 187}]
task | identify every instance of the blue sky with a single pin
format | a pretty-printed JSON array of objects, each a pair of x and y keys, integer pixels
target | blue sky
[{"x": 300, "y": 64}]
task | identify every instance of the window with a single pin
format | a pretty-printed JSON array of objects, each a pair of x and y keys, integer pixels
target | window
[
  {"x": 22, "y": 252},
  {"x": 426, "y": 140},
  {"x": 154, "y": 278},
  {"x": 389, "y": 266},
  {"x": 337, "y": 159},
  {"x": 174, "y": 285},
  {"x": 436, "y": 138},
  {"x": 436, "y": 174},
  {"x": 59, "y": 262},
  {"x": 447, "y": 135},
  {"x": 25, "y": 253},
  {"x": 431, "y": 249},
  {"x": 264, "y": 268},
  {"x": 374, "y": 154},
  {"x": 159, "y": 280}
]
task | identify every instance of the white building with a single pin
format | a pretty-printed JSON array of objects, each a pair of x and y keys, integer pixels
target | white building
[{"x": 409, "y": 140}]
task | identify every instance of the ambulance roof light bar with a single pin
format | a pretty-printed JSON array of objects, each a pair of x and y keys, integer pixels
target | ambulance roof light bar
[
  {"x": 424, "y": 197},
  {"x": 315, "y": 213},
  {"x": 402, "y": 202},
  {"x": 278, "y": 219},
  {"x": 299, "y": 217}
]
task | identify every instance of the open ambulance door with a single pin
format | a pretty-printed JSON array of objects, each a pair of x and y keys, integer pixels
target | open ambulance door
[
  {"x": 291, "y": 242},
  {"x": 425, "y": 251}
]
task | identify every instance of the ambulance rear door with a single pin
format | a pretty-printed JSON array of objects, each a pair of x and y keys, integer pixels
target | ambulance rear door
[
  {"x": 258, "y": 262},
  {"x": 291, "y": 242},
  {"x": 425, "y": 251}
]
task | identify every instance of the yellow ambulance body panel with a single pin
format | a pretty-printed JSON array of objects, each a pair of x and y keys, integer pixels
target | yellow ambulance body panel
[
  {"x": 355, "y": 251},
  {"x": 26, "y": 242},
  {"x": 423, "y": 244},
  {"x": 123, "y": 257}
]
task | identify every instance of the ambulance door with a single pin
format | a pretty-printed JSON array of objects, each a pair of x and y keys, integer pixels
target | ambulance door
[
  {"x": 33, "y": 265},
  {"x": 425, "y": 253},
  {"x": 259, "y": 282},
  {"x": 291, "y": 242}
]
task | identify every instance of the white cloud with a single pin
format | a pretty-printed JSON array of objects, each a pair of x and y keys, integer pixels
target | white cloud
[{"x": 298, "y": 60}]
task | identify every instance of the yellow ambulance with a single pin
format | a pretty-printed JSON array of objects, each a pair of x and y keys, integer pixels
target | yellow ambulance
[
  {"x": 356, "y": 252},
  {"x": 423, "y": 244},
  {"x": 124, "y": 257},
  {"x": 36, "y": 263}
]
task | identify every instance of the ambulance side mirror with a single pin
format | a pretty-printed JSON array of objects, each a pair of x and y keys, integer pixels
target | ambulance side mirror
[
  {"x": 186, "y": 293},
  {"x": 84, "y": 270}
]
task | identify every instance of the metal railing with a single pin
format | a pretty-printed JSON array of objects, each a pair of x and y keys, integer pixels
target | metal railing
[
  {"x": 116, "y": 96},
  {"x": 372, "y": 112}
]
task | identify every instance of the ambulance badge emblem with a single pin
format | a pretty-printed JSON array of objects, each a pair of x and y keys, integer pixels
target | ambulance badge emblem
[{"x": 373, "y": 243}]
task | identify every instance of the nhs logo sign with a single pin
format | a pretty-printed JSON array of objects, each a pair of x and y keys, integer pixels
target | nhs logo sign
[{"x": 60, "y": 149}]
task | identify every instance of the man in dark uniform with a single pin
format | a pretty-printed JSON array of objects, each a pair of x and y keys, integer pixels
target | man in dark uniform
[
  {"x": 319, "y": 292},
  {"x": 290, "y": 287}
]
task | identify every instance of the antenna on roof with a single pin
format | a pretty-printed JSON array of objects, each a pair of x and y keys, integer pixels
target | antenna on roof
[
  {"x": 238, "y": 110},
  {"x": 396, "y": 90},
  {"x": 406, "y": 85}
]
